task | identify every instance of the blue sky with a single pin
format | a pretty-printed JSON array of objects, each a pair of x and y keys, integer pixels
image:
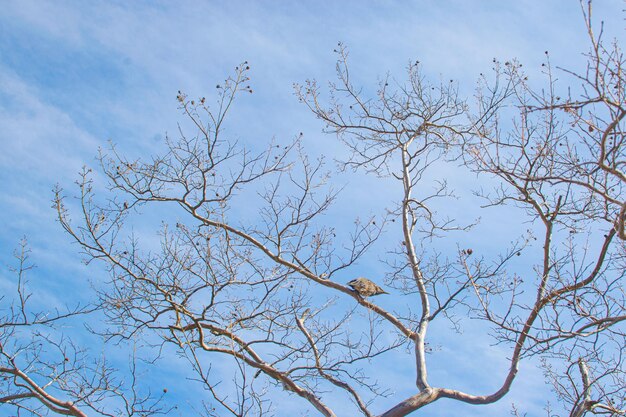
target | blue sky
[{"x": 74, "y": 75}]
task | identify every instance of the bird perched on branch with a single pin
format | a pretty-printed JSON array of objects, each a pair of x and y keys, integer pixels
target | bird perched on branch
[{"x": 366, "y": 288}]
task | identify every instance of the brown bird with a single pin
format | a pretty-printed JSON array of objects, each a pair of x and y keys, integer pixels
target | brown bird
[{"x": 366, "y": 288}]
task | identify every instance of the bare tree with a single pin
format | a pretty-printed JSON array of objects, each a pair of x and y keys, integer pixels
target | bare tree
[
  {"x": 43, "y": 372},
  {"x": 249, "y": 267},
  {"x": 563, "y": 162},
  {"x": 239, "y": 290}
]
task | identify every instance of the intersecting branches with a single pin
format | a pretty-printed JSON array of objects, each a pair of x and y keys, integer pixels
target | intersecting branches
[
  {"x": 43, "y": 372},
  {"x": 247, "y": 262},
  {"x": 561, "y": 163},
  {"x": 225, "y": 284}
]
